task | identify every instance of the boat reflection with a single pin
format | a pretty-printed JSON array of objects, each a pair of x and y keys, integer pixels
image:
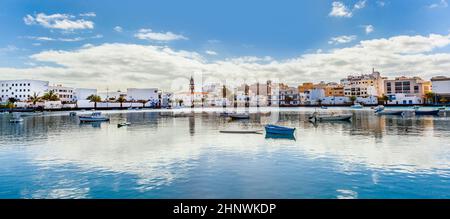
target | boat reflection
[{"x": 280, "y": 136}]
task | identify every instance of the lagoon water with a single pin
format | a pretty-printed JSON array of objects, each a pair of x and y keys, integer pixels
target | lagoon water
[{"x": 53, "y": 156}]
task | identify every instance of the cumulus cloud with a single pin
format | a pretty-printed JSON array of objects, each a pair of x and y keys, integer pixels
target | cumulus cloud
[
  {"x": 58, "y": 21},
  {"x": 440, "y": 4},
  {"x": 115, "y": 65},
  {"x": 88, "y": 14},
  {"x": 369, "y": 28},
  {"x": 148, "y": 34},
  {"x": 61, "y": 39},
  {"x": 342, "y": 39},
  {"x": 339, "y": 9},
  {"x": 381, "y": 3}
]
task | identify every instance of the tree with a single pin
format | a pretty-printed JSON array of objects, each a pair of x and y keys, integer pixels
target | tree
[
  {"x": 50, "y": 96},
  {"x": 143, "y": 102},
  {"x": 353, "y": 99},
  {"x": 429, "y": 97},
  {"x": 319, "y": 101},
  {"x": 383, "y": 99},
  {"x": 443, "y": 100},
  {"x": 121, "y": 100},
  {"x": 94, "y": 98},
  {"x": 34, "y": 99},
  {"x": 11, "y": 102}
]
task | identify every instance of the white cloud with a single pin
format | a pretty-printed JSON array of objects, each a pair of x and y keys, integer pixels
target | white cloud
[
  {"x": 369, "y": 29},
  {"x": 339, "y": 9},
  {"x": 120, "y": 66},
  {"x": 440, "y": 4},
  {"x": 148, "y": 34},
  {"x": 360, "y": 5},
  {"x": 210, "y": 52},
  {"x": 118, "y": 29},
  {"x": 58, "y": 21},
  {"x": 88, "y": 14},
  {"x": 74, "y": 39},
  {"x": 9, "y": 48},
  {"x": 342, "y": 39}
]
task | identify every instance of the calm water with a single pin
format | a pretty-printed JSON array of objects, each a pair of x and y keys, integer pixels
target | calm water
[{"x": 53, "y": 156}]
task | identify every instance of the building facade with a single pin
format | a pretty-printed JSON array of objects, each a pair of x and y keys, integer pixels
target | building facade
[
  {"x": 441, "y": 87},
  {"x": 364, "y": 85},
  {"x": 22, "y": 90},
  {"x": 65, "y": 94}
]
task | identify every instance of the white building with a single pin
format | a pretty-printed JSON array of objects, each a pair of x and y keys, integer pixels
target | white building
[
  {"x": 441, "y": 87},
  {"x": 22, "y": 89},
  {"x": 149, "y": 94},
  {"x": 65, "y": 94},
  {"x": 112, "y": 95},
  {"x": 84, "y": 93},
  {"x": 402, "y": 99}
]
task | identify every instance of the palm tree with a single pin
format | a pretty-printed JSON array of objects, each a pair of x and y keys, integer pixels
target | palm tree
[
  {"x": 383, "y": 99},
  {"x": 11, "y": 102},
  {"x": 50, "y": 96},
  {"x": 94, "y": 98},
  {"x": 121, "y": 100},
  {"x": 353, "y": 99},
  {"x": 429, "y": 96},
  {"x": 143, "y": 102},
  {"x": 34, "y": 99}
]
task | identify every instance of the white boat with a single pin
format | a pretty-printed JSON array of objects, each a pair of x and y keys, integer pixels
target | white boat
[
  {"x": 357, "y": 106},
  {"x": 94, "y": 117},
  {"x": 330, "y": 117},
  {"x": 379, "y": 108},
  {"x": 239, "y": 116}
]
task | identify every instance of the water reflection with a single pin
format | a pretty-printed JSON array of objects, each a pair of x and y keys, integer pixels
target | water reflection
[{"x": 156, "y": 153}]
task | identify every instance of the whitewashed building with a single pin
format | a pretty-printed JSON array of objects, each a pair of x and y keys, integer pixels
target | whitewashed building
[
  {"x": 65, "y": 94},
  {"x": 84, "y": 93},
  {"x": 148, "y": 94},
  {"x": 22, "y": 90},
  {"x": 441, "y": 87}
]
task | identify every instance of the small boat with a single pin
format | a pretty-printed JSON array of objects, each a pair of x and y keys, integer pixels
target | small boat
[
  {"x": 442, "y": 108},
  {"x": 123, "y": 124},
  {"x": 416, "y": 107},
  {"x": 94, "y": 117},
  {"x": 324, "y": 107},
  {"x": 280, "y": 130},
  {"x": 357, "y": 106},
  {"x": 224, "y": 114},
  {"x": 426, "y": 112},
  {"x": 239, "y": 116},
  {"x": 241, "y": 131},
  {"x": 379, "y": 108},
  {"x": 330, "y": 117},
  {"x": 390, "y": 112},
  {"x": 72, "y": 114}
]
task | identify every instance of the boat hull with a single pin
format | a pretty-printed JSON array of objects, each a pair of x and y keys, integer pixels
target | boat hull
[
  {"x": 427, "y": 113},
  {"x": 88, "y": 119},
  {"x": 270, "y": 129}
]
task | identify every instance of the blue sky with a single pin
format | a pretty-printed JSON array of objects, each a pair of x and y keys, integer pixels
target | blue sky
[{"x": 215, "y": 31}]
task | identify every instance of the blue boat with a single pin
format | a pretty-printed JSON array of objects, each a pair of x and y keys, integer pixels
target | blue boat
[
  {"x": 280, "y": 130},
  {"x": 427, "y": 112}
]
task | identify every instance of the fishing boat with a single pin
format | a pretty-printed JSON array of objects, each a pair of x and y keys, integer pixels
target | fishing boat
[
  {"x": 280, "y": 130},
  {"x": 390, "y": 112},
  {"x": 426, "y": 112},
  {"x": 94, "y": 117},
  {"x": 357, "y": 106},
  {"x": 123, "y": 124},
  {"x": 379, "y": 108},
  {"x": 241, "y": 131},
  {"x": 239, "y": 116},
  {"x": 330, "y": 117}
]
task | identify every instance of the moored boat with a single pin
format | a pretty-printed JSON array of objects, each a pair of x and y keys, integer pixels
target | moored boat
[
  {"x": 330, "y": 117},
  {"x": 357, "y": 106},
  {"x": 280, "y": 130},
  {"x": 426, "y": 112},
  {"x": 390, "y": 112},
  {"x": 94, "y": 117},
  {"x": 324, "y": 107},
  {"x": 123, "y": 124},
  {"x": 16, "y": 118},
  {"x": 239, "y": 116}
]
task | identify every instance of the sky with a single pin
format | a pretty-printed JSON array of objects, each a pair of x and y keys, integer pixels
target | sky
[{"x": 135, "y": 43}]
